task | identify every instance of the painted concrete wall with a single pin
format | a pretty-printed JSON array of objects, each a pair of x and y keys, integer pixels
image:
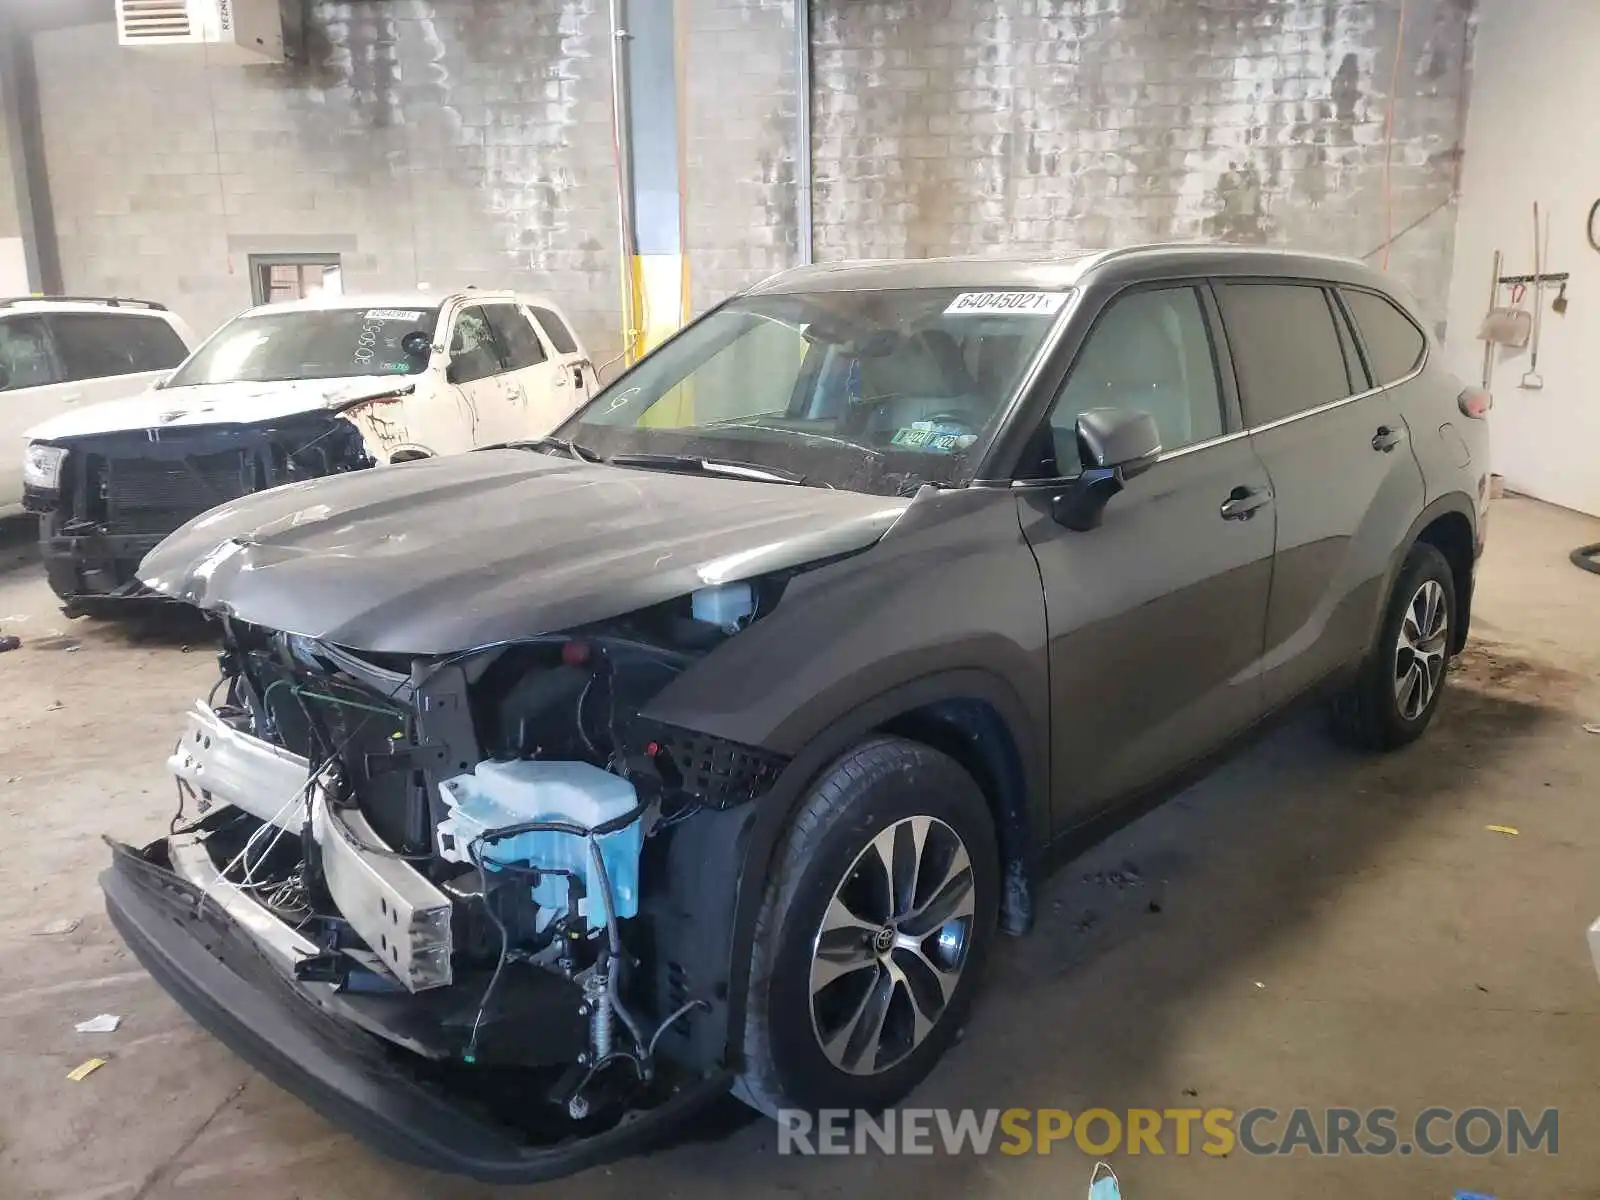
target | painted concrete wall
[
  {"x": 13, "y": 255},
  {"x": 739, "y": 73},
  {"x": 1531, "y": 137},
  {"x": 469, "y": 141},
  {"x": 987, "y": 126},
  {"x": 451, "y": 142}
]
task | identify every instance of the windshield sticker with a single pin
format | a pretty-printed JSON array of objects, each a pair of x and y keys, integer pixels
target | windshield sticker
[
  {"x": 392, "y": 314},
  {"x": 935, "y": 439},
  {"x": 988, "y": 304}
]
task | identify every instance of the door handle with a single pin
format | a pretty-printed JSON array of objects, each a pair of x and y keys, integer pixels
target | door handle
[
  {"x": 1242, "y": 503},
  {"x": 1386, "y": 439}
]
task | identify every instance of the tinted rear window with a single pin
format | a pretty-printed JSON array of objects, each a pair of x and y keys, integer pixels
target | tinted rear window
[
  {"x": 556, "y": 330},
  {"x": 1394, "y": 345},
  {"x": 1285, "y": 348},
  {"x": 96, "y": 345}
]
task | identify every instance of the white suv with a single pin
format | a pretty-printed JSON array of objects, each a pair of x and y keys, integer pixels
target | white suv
[
  {"x": 59, "y": 352},
  {"x": 286, "y": 392}
]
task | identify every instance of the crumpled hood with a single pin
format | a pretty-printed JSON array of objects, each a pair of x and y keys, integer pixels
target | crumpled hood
[
  {"x": 451, "y": 553},
  {"x": 215, "y": 404}
]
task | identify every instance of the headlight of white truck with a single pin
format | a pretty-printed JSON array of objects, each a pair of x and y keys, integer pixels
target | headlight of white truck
[{"x": 41, "y": 466}]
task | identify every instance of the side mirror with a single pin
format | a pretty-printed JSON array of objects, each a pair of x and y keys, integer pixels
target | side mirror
[
  {"x": 1114, "y": 446},
  {"x": 417, "y": 344}
]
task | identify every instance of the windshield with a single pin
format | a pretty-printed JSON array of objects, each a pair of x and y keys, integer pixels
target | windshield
[
  {"x": 878, "y": 391},
  {"x": 329, "y": 343}
]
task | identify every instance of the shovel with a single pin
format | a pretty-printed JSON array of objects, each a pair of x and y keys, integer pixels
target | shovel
[{"x": 1510, "y": 325}]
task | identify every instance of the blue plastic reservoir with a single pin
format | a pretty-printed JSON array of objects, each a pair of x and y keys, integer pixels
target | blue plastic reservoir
[{"x": 497, "y": 795}]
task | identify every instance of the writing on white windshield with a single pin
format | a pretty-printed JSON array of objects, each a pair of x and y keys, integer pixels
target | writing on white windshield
[{"x": 333, "y": 343}]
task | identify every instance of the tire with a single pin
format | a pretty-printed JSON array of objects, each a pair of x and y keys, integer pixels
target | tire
[
  {"x": 879, "y": 794},
  {"x": 1376, "y": 712}
]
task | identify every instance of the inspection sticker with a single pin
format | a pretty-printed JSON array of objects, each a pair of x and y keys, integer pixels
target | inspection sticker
[
  {"x": 392, "y": 314},
  {"x": 983, "y": 304}
]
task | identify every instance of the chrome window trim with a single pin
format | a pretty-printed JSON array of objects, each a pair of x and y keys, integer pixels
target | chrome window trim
[
  {"x": 1247, "y": 430},
  {"x": 1333, "y": 404}
]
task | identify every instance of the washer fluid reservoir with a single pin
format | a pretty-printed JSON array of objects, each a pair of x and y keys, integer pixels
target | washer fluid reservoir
[{"x": 496, "y": 795}]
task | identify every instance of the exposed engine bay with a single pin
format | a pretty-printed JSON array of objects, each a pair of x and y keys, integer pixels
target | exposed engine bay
[{"x": 485, "y": 859}]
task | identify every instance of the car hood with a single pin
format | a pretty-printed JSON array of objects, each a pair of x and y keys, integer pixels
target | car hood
[
  {"x": 451, "y": 553},
  {"x": 215, "y": 404}
]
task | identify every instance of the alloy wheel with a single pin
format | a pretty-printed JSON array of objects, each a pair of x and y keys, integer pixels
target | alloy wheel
[
  {"x": 891, "y": 946},
  {"x": 1419, "y": 657}
]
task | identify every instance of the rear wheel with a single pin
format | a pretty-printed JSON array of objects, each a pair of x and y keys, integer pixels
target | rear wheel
[
  {"x": 874, "y": 930},
  {"x": 1394, "y": 697}
]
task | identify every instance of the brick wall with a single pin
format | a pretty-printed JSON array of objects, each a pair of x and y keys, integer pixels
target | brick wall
[
  {"x": 739, "y": 74},
  {"x": 469, "y": 141},
  {"x": 449, "y": 143},
  {"x": 992, "y": 126}
]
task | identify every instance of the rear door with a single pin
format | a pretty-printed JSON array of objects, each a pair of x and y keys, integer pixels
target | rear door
[
  {"x": 31, "y": 391},
  {"x": 109, "y": 355},
  {"x": 574, "y": 369},
  {"x": 1156, "y": 618},
  {"x": 534, "y": 404},
  {"x": 1345, "y": 483}
]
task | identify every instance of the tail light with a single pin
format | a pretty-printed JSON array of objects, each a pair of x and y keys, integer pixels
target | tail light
[{"x": 1475, "y": 402}]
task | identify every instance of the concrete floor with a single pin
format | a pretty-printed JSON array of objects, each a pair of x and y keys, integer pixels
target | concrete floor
[{"x": 1333, "y": 930}]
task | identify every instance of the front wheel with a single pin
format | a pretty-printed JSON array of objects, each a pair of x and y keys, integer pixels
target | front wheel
[
  {"x": 874, "y": 930},
  {"x": 1396, "y": 693}
]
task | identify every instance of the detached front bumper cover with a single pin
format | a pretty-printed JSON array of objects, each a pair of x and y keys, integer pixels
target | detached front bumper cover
[{"x": 214, "y": 969}]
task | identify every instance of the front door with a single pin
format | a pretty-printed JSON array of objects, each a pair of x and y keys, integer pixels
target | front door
[
  {"x": 1157, "y": 617},
  {"x": 477, "y": 409}
]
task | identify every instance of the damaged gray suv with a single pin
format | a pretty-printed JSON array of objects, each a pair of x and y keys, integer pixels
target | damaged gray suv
[{"x": 551, "y": 790}]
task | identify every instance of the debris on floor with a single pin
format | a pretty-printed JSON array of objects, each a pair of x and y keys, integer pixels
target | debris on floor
[
  {"x": 1592, "y": 727},
  {"x": 1508, "y": 830},
  {"x": 57, "y": 928},
  {"x": 10, "y": 642},
  {"x": 83, "y": 1070},
  {"x": 54, "y": 706},
  {"x": 104, "y": 1023},
  {"x": 1125, "y": 877}
]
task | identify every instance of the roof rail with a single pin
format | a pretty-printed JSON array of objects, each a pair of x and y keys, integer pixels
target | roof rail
[{"x": 109, "y": 301}]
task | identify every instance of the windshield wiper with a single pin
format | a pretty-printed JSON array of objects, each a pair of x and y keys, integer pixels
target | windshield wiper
[
  {"x": 545, "y": 444},
  {"x": 708, "y": 466}
]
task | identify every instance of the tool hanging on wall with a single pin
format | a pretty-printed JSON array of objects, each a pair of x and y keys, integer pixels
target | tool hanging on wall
[
  {"x": 1505, "y": 325},
  {"x": 1531, "y": 379},
  {"x": 1559, "y": 304},
  {"x": 1488, "y": 343}
]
